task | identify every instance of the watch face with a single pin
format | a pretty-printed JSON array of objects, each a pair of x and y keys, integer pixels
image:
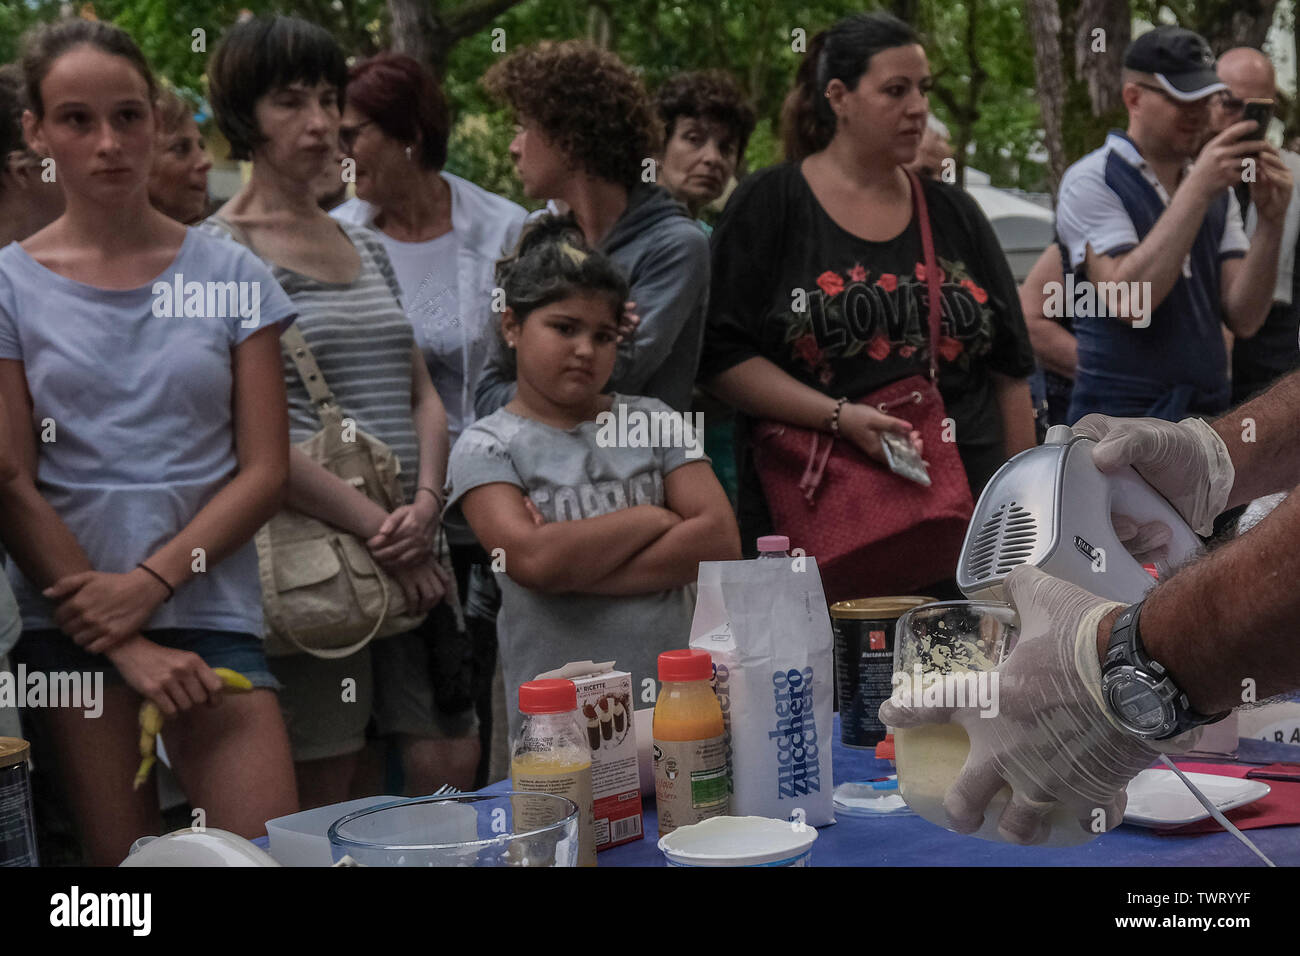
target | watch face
[{"x": 1138, "y": 706}]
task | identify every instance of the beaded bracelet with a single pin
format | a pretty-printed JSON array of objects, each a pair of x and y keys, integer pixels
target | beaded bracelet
[
  {"x": 171, "y": 591},
  {"x": 835, "y": 418}
]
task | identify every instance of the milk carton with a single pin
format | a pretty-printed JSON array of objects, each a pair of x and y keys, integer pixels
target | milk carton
[{"x": 605, "y": 708}]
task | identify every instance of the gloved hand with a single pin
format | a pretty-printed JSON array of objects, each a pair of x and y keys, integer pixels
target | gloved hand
[
  {"x": 1186, "y": 462},
  {"x": 1053, "y": 739}
]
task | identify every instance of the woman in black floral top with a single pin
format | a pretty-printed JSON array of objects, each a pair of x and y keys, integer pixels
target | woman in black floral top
[{"x": 819, "y": 284}]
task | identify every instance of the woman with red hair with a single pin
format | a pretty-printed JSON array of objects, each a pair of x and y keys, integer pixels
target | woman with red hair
[{"x": 443, "y": 236}]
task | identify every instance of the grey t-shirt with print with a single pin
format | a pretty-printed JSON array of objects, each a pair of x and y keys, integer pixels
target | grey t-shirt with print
[{"x": 568, "y": 475}]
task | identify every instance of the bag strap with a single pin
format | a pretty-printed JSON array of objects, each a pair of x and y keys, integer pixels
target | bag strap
[
  {"x": 931, "y": 269},
  {"x": 295, "y": 343},
  {"x": 814, "y": 471},
  {"x": 330, "y": 653}
]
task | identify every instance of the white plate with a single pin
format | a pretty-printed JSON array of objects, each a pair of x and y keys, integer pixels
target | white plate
[{"x": 1157, "y": 798}]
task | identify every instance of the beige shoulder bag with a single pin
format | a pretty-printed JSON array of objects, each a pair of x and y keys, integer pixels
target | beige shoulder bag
[{"x": 322, "y": 591}]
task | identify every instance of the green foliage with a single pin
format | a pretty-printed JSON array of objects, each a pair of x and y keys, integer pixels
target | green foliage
[
  {"x": 478, "y": 151},
  {"x": 1006, "y": 127},
  {"x": 764, "y": 147},
  {"x": 754, "y": 39},
  {"x": 16, "y": 16}
]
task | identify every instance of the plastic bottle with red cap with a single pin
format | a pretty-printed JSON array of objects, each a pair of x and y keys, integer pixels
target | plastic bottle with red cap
[
  {"x": 550, "y": 755},
  {"x": 692, "y": 779},
  {"x": 774, "y": 546}
]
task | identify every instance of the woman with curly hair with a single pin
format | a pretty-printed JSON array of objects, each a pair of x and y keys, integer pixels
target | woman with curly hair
[
  {"x": 586, "y": 137},
  {"x": 837, "y": 221},
  {"x": 707, "y": 125}
]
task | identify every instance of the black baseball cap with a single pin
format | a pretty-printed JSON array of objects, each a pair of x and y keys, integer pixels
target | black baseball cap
[{"x": 1179, "y": 59}]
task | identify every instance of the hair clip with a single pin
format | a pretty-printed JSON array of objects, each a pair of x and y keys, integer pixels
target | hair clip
[{"x": 576, "y": 256}]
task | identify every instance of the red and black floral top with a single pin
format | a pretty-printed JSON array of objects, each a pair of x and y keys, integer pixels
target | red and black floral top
[{"x": 847, "y": 316}]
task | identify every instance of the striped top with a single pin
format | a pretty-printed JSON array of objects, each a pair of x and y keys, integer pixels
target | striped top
[{"x": 362, "y": 341}]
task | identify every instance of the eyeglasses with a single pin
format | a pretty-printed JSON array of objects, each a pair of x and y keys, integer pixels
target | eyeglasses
[
  {"x": 348, "y": 134},
  {"x": 1181, "y": 104}
]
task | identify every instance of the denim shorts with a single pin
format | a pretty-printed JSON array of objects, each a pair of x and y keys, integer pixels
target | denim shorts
[{"x": 52, "y": 650}]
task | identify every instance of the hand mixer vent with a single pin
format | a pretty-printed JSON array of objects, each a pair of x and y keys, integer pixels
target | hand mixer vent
[{"x": 1005, "y": 541}]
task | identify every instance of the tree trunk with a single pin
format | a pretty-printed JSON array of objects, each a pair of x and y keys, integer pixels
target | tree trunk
[
  {"x": 978, "y": 76},
  {"x": 413, "y": 28},
  {"x": 421, "y": 29},
  {"x": 1045, "y": 28},
  {"x": 905, "y": 10},
  {"x": 1099, "y": 57},
  {"x": 964, "y": 111},
  {"x": 600, "y": 28},
  {"x": 1230, "y": 23},
  {"x": 1293, "y": 128}
]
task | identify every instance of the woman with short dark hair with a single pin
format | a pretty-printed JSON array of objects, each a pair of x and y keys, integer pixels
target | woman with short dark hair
[
  {"x": 707, "y": 125},
  {"x": 276, "y": 87}
]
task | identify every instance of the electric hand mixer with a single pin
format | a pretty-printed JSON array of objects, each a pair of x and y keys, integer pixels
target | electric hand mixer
[{"x": 1051, "y": 507}]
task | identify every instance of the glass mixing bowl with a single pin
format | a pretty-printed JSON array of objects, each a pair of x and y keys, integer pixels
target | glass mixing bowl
[{"x": 470, "y": 829}]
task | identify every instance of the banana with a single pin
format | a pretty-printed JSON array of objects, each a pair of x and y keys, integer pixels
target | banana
[
  {"x": 233, "y": 679},
  {"x": 151, "y": 721}
]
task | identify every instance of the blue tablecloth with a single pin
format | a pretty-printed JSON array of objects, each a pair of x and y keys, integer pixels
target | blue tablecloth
[{"x": 909, "y": 840}]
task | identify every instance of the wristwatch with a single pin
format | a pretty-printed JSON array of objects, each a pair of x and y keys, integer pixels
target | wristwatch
[{"x": 1140, "y": 693}]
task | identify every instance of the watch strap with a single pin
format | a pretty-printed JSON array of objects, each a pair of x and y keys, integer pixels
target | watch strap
[{"x": 1126, "y": 647}]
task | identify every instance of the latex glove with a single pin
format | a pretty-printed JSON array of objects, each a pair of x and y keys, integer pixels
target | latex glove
[
  {"x": 1053, "y": 740},
  {"x": 1186, "y": 462}
]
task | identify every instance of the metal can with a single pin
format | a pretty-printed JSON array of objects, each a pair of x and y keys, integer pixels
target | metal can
[
  {"x": 864, "y": 662},
  {"x": 17, "y": 821}
]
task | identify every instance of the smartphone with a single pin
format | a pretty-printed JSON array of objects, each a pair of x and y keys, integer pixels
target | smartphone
[
  {"x": 1261, "y": 111},
  {"x": 903, "y": 458}
]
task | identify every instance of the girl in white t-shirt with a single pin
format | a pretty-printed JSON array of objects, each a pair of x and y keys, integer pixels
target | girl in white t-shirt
[{"x": 150, "y": 444}]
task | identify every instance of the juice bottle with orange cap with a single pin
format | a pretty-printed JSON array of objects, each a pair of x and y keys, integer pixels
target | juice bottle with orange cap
[
  {"x": 551, "y": 756},
  {"x": 692, "y": 782}
]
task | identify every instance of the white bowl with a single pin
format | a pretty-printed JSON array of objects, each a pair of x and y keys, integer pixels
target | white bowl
[{"x": 740, "y": 841}]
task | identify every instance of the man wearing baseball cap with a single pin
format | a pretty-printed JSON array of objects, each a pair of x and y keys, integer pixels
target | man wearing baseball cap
[{"x": 1154, "y": 241}]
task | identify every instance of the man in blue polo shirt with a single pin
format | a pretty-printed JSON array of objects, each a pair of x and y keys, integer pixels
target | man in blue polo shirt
[{"x": 1158, "y": 260}]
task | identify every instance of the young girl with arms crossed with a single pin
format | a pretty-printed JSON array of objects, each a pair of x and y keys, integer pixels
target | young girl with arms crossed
[{"x": 601, "y": 543}]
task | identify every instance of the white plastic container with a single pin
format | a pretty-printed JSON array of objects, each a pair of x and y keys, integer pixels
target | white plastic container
[
  {"x": 301, "y": 839},
  {"x": 206, "y": 848},
  {"x": 740, "y": 841}
]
